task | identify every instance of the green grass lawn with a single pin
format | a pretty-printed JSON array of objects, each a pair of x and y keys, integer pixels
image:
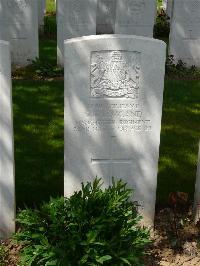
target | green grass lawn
[
  {"x": 50, "y": 6},
  {"x": 159, "y": 3},
  {"x": 38, "y": 128},
  {"x": 179, "y": 138},
  {"x": 38, "y": 125},
  {"x": 48, "y": 51}
]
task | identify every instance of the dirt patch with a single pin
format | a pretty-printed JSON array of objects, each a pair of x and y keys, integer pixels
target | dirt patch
[
  {"x": 175, "y": 239},
  {"x": 12, "y": 254}
]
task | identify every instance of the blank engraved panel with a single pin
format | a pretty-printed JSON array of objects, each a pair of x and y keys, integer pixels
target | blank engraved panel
[
  {"x": 185, "y": 32},
  {"x": 106, "y": 12},
  {"x": 75, "y": 18},
  {"x": 135, "y": 17},
  {"x": 77, "y": 13},
  {"x": 135, "y": 12},
  {"x": 19, "y": 26}
]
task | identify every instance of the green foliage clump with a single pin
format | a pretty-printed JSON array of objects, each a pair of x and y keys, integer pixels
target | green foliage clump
[
  {"x": 38, "y": 70},
  {"x": 162, "y": 26},
  {"x": 92, "y": 227},
  {"x": 50, "y": 6},
  {"x": 3, "y": 254},
  {"x": 46, "y": 70},
  {"x": 159, "y": 3},
  {"x": 180, "y": 70}
]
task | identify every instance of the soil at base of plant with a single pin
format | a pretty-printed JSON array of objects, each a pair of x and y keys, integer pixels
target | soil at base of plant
[{"x": 175, "y": 241}]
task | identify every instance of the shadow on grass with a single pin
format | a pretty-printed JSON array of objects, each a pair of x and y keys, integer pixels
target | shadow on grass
[
  {"x": 39, "y": 140},
  {"x": 48, "y": 51},
  {"x": 179, "y": 138},
  {"x": 38, "y": 125}
]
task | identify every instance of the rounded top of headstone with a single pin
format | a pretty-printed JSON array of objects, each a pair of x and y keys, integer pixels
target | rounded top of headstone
[
  {"x": 113, "y": 36},
  {"x": 4, "y": 43}
]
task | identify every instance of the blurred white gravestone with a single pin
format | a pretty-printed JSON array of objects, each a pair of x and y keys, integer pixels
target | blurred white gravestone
[
  {"x": 106, "y": 11},
  {"x": 113, "y": 107},
  {"x": 185, "y": 32},
  {"x": 135, "y": 17},
  {"x": 7, "y": 187},
  {"x": 19, "y": 26},
  {"x": 169, "y": 9},
  {"x": 41, "y": 13},
  {"x": 74, "y": 18},
  {"x": 197, "y": 192}
]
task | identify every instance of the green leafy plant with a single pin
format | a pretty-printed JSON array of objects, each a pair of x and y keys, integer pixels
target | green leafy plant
[
  {"x": 46, "y": 70},
  {"x": 162, "y": 26},
  {"x": 38, "y": 69},
  {"x": 92, "y": 227},
  {"x": 180, "y": 70}
]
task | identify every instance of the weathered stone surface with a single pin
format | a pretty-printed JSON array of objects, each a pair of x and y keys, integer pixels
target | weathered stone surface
[
  {"x": 197, "y": 192},
  {"x": 113, "y": 106},
  {"x": 136, "y": 17},
  {"x": 185, "y": 32},
  {"x": 74, "y": 18},
  {"x": 41, "y": 13},
  {"x": 106, "y": 11},
  {"x": 7, "y": 188},
  {"x": 19, "y": 26},
  {"x": 169, "y": 9}
]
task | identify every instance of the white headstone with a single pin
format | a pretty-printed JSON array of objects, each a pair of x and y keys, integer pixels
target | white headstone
[
  {"x": 106, "y": 11},
  {"x": 135, "y": 17},
  {"x": 113, "y": 107},
  {"x": 197, "y": 192},
  {"x": 185, "y": 32},
  {"x": 74, "y": 18},
  {"x": 169, "y": 9},
  {"x": 41, "y": 13},
  {"x": 7, "y": 188},
  {"x": 19, "y": 26}
]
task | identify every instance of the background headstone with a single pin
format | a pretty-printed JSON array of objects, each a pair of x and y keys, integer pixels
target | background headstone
[
  {"x": 184, "y": 41},
  {"x": 19, "y": 26},
  {"x": 169, "y": 9},
  {"x": 113, "y": 107},
  {"x": 7, "y": 188},
  {"x": 74, "y": 18},
  {"x": 41, "y": 14},
  {"x": 135, "y": 17},
  {"x": 106, "y": 11},
  {"x": 197, "y": 192}
]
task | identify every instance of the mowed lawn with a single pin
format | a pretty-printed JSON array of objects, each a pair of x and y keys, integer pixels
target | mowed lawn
[
  {"x": 179, "y": 138},
  {"x": 39, "y": 140}
]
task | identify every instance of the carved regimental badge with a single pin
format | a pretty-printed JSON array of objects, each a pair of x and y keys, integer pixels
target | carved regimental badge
[{"x": 115, "y": 74}]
